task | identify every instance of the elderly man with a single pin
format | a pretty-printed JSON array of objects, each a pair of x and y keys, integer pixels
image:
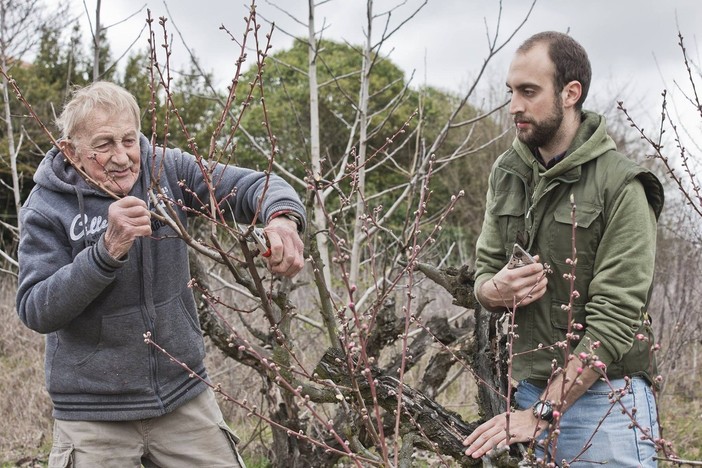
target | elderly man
[
  {"x": 561, "y": 151},
  {"x": 97, "y": 273}
]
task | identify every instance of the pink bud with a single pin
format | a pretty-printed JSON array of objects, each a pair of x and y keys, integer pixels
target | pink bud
[
  {"x": 599, "y": 364},
  {"x": 582, "y": 356}
]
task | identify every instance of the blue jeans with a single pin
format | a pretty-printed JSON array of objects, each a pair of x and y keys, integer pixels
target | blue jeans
[{"x": 613, "y": 442}]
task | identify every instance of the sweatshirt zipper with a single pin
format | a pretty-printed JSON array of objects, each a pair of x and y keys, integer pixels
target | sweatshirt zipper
[{"x": 150, "y": 325}]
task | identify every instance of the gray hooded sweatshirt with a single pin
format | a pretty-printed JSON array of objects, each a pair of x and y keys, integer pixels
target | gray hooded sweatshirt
[{"x": 95, "y": 309}]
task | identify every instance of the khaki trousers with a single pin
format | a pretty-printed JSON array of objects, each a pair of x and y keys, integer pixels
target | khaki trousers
[{"x": 194, "y": 435}]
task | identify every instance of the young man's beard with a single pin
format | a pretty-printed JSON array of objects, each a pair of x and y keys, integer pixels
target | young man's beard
[{"x": 541, "y": 133}]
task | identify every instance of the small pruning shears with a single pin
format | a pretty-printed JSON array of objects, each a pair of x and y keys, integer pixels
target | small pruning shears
[
  {"x": 519, "y": 258},
  {"x": 257, "y": 237}
]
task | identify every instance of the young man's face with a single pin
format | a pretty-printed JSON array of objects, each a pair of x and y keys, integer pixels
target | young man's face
[
  {"x": 106, "y": 147},
  {"x": 536, "y": 106}
]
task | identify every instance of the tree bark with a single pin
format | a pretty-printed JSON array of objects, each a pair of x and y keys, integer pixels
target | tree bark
[
  {"x": 445, "y": 429},
  {"x": 97, "y": 36},
  {"x": 320, "y": 219}
]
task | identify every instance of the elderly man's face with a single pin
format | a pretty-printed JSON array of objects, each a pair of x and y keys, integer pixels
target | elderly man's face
[{"x": 106, "y": 147}]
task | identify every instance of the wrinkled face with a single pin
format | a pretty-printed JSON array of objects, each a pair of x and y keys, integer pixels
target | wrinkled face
[
  {"x": 106, "y": 147},
  {"x": 536, "y": 106}
]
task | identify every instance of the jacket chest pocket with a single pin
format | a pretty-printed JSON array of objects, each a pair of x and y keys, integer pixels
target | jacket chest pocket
[
  {"x": 588, "y": 232},
  {"x": 508, "y": 208}
]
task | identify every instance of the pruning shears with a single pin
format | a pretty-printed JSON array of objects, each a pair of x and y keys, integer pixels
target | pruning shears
[{"x": 257, "y": 237}]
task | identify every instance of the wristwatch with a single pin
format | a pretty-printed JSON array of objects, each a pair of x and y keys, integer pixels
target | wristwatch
[
  {"x": 543, "y": 409},
  {"x": 292, "y": 216}
]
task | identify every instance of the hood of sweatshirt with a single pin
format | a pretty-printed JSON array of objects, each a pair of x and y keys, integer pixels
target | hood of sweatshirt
[
  {"x": 57, "y": 174},
  {"x": 590, "y": 142}
]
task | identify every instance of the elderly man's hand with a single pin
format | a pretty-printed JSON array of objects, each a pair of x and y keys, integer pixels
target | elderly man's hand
[
  {"x": 286, "y": 257},
  {"x": 127, "y": 219}
]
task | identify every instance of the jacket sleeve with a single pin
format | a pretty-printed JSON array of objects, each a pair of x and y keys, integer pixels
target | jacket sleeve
[
  {"x": 54, "y": 288},
  {"x": 489, "y": 249},
  {"x": 238, "y": 191},
  {"x": 622, "y": 276}
]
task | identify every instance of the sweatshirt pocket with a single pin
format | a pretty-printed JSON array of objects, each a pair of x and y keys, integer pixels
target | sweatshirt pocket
[
  {"x": 116, "y": 364},
  {"x": 177, "y": 330}
]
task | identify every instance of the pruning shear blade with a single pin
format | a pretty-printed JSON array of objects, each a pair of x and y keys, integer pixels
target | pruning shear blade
[{"x": 257, "y": 237}]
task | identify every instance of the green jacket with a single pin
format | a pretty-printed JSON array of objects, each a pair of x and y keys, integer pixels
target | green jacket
[{"x": 617, "y": 204}]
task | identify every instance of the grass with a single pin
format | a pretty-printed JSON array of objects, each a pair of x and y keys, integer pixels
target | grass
[
  {"x": 25, "y": 409},
  {"x": 681, "y": 413}
]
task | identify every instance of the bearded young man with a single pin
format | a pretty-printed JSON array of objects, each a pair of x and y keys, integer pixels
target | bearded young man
[
  {"x": 561, "y": 151},
  {"x": 96, "y": 273}
]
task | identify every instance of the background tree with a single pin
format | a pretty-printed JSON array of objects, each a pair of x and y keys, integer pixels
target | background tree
[
  {"x": 136, "y": 80},
  {"x": 668, "y": 147},
  {"x": 673, "y": 149},
  {"x": 19, "y": 22}
]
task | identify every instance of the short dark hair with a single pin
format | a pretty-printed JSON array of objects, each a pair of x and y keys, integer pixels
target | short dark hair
[{"x": 569, "y": 57}]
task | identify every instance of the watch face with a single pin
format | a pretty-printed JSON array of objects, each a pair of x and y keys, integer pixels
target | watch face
[
  {"x": 540, "y": 408},
  {"x": 543, "y": 410}
]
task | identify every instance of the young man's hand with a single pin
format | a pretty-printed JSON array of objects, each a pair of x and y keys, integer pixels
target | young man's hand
[
  {"x": 520, "y": 286},
  {"x": 492, "y": 434}
]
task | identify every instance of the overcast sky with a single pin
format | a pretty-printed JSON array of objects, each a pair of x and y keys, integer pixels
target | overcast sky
[{"x": 632, "y": 43}]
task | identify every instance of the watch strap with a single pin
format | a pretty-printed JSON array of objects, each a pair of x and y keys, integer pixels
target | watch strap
[{"x": 291, "y": 215}]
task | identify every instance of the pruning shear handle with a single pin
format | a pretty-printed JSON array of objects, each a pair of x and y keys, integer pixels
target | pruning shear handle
[{"x": 260, "y": 239}]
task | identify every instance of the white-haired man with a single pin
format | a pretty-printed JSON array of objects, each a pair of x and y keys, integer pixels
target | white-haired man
[{"x": 97, "y": 273}]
